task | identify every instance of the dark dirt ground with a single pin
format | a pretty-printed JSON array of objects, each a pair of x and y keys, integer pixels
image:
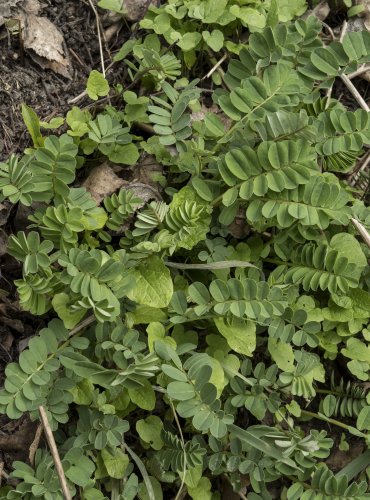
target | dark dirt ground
[
  {"x": 48, "y": 93},
  {"x": 45, "y": 91}
]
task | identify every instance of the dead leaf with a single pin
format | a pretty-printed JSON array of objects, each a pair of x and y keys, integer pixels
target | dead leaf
[
  {"x": 15, "y": 324},
  {"x": 3, "y": 242},
  {"x": 31, "y": 6},
  {"x": 143, "y": 191},
  {"x": 6, "y": 7},
  {"x": 147, "y": 169},
  {"x": 5, "y": 208},
  {"x": 42, "y": 40},
  {"x": 45, "y": 42},
  {"x": 102, "y": 182},
  {"x": 239, "y": 228},
  {"x": 7, "y": 340},
  {"x": 198, "y": 116},
  {"x": 20, "y": 434},
  {"x": 135, "y": 10},
  {"x": 321, "y": 11}
]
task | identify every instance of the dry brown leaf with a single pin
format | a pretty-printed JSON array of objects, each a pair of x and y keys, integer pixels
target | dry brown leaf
[
  {"x": 147, "y": 169},
  {"x": 135, "y": 9},
  {"x": 102, "y": 182},
  {"x": 6, "y": 7},
  {"x": 45, "y": 41},
  {"x": 3, "y": 242},
  {"x": 18, "y": 434},
  {"x": 5, "y": 208},
  {"x": 321, "y": 11},
  {"x": 15, "y": 324},
  {"x": 145, "y": 192}
]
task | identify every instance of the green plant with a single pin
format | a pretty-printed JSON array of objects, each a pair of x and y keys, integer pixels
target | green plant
[{"x": 220, "y": 345}]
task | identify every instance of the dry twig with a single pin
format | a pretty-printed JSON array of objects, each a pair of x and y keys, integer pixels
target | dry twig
[
  {"x": 356, "y": 94},
  {"x": 55, "y": 454},
  {"x": 34, "y": 445},
  {"x": 99, "y": 36},
  {"x": 347, "y": 81},
  {"x": 215, "y": 67},
  {"x": 360, "y": 71},
  {"x": 363, "y": 165},
  {"x": 362, "y": 231}
]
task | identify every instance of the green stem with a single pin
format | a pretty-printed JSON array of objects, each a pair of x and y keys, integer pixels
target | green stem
[{"x": 329, "y": 421}]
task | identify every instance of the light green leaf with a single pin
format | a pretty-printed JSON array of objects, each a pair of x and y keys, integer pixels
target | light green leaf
[
  {"x": 215, "y": 39},
  {"x": 361, "y": 303},
  {"x": 32, "y": 123},
  {"x": 125, "y": 49},
  {"x": 126, "y": 154},
  {"x": 61, "y": 306},
  {"x": 153, "y": 283},
  {"x": 83, "y": 392},
  {"x": 363, "y": 419},
  {"x": 149, "y": 430},
  {"x": 357, "y": 350},
  {"x": 116, "y": 464},
  {"x": 144, "y": 397},
  {"x": 240, "y": 334},
  {"x": 282, "y": 354},
  {"x": 288, "y": 9},
  {"x": 189, "y": 41},
  {"x": 294, "y": 408},
  {"x": 348, "y": 246},
  {"x": 53, "y": 124},
  {"x": 202, "y": 491},
  {"x": 97, "y": 85},
  {"x": 249, "y": 16},
  {"x": 114, "y": 5},
  {"x": 155, "y": 332},
  {"x": 156, "y": 488},
  {"x": 192, "y": 476},
  {"x": 143, "y": 315}
]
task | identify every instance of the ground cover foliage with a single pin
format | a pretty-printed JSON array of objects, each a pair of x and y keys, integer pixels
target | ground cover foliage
[{"x": 184, "y": 348}]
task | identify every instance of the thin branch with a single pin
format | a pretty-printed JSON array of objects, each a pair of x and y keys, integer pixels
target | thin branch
[
  {"x": 183, "y": 448},
  {"x": 215, "y": 67},
  {"x": 34, "y": 445},
  {"x": 362, "y": 231},
  {"x": 223, "y": 264},
  {"x": 347, "y": 82},
  {"x": 343, "y": 31},
  {"x": 55, "y": 454},
  {"x": 99, "y": 36},
  {"x": 331, "y": 32},
  {"x": 354, "y": 176},
  {"x": 77, "y": 98},
  {"x": 332, "y": 421},
  {"x": 84, "y": 323},
  {"x": 3, "y": 473},
  {"x": 360, "y": 71}
]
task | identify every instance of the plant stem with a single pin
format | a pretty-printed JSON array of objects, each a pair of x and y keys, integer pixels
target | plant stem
[{"x": 328, "y": 420}]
